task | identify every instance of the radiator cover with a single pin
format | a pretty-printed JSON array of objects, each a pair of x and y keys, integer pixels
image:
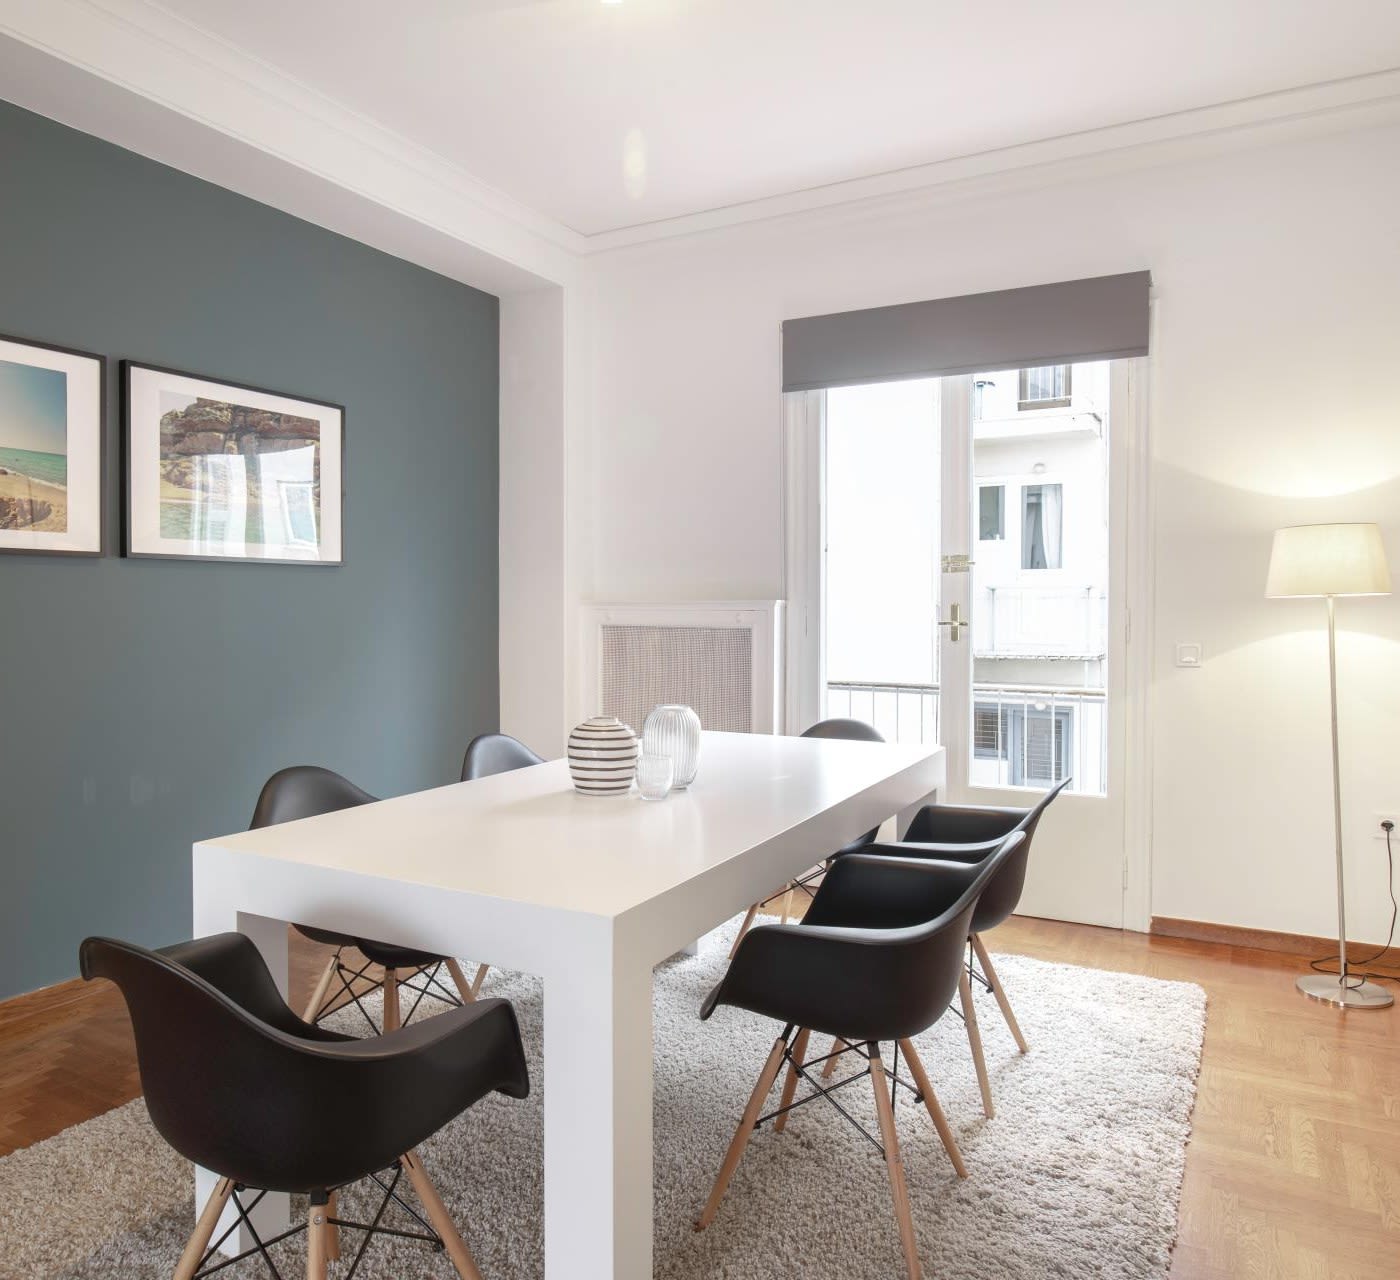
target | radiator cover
[{"x": 720, "y": 657}]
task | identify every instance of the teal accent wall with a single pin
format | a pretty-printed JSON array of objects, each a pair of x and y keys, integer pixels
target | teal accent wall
[{"x": 144, "y": 702}]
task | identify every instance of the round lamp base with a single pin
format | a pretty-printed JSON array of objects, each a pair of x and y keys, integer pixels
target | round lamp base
[{"x": 1328, "y": 988}]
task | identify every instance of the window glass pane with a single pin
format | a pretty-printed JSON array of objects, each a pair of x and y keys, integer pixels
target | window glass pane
[
  {"x": 986, "y": 742},
  {"x": 1045, "y": 387},
  {"x": 883, "y": 535},
  {"x": 1046, "y": 744},
  {"x": 1042, "y": 524},
  {"x": 991, "y": 517},
  {"x": 1040, "y": 592}
]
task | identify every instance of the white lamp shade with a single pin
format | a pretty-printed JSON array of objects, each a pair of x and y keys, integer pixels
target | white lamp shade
[{"x": 1328, "y": 560}]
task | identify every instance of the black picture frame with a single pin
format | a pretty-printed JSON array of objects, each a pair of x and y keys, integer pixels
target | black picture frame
[
  {"x": 129, "y": 537},
  {"x": 102, "y": 363}
]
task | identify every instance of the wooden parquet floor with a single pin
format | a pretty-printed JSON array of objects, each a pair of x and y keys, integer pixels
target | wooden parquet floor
[{"x": 1293, "y": 1168}]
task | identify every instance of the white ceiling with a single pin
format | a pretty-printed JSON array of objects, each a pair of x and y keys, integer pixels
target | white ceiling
[{"x": 604, "y": 116}]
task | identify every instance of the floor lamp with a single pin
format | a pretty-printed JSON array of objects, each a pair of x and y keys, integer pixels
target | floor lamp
[{"x": 1331, "y": 560}]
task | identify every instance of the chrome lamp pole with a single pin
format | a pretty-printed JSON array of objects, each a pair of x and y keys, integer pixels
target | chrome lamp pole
[{"x": 1332, "y": 560}]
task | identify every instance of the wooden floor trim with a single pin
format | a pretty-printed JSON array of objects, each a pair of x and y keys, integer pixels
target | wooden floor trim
[
  {"x": 1232, "y": 935},
  {"x": 45, "y": 1002}
]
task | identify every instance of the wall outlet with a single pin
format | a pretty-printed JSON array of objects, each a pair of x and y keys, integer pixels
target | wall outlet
[
  {"x": 1188, "y": 654},
  {"x": 1387, "y": 815}
]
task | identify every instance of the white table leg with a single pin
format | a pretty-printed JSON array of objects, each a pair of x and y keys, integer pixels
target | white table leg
[
  {"x": 597, "y": 1114},
  {"x": 273, "y": 1214}
]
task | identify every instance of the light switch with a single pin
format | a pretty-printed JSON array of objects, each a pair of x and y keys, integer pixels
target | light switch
[{"x": 1188, "y": 655}]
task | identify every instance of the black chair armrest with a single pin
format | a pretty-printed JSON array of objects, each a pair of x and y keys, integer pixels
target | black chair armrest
[
  {"x": 881, "y": 888},
  {"x": 433, "y": 1071},
  {"x": 447, "y": 1046},
  {"x": 812, "y": 976},
  {"x": 918, "y": 850},
  {"x": 232, "y": 964},
  {"x": 962, "y": 824}
]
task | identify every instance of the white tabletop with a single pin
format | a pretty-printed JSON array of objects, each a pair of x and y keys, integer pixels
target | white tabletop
[{"x": 528, "y": 837}]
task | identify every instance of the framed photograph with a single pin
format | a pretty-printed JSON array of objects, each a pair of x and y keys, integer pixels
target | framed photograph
[
  {"x": 52, "y": 428},
  {"x": 219, "y": 471}
]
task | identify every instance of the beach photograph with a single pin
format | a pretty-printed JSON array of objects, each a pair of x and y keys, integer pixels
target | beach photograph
[{"x": 33, "y": 448}]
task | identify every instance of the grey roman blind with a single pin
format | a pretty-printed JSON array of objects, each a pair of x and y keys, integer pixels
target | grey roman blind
[{"x": 1099, "y": 319}]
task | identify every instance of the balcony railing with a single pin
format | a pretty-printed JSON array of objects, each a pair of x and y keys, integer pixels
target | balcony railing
[
  {"x": 1022, "y": 735},
  {"x": 901, "y": 712},
  {"x": 1040, "y": 622}
]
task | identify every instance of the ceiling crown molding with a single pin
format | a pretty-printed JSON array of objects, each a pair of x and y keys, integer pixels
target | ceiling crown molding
[
  {"x": 227, "y": 116},
  {"x": 148, "y": 51},
  {"x": 1340, "y": 104}
]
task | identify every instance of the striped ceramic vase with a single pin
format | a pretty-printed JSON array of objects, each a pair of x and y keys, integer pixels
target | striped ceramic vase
[{"x": 603, "y": 757}]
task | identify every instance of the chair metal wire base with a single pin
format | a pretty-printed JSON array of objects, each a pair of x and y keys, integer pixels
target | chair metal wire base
[
  {"x": 357, "y": 983},
  {"x": 370, "y": 1229},
  {"x": 260, "y": 1246},
  {"x": 825, "y": 1091}
]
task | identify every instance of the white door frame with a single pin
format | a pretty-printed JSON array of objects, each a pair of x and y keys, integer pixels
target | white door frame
[
  {"x": 804, "y": 565},
  {"x": 803, "y": 427}
]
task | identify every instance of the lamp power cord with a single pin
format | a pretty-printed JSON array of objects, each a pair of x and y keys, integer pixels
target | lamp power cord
[{"x": 1356, "y": 969}]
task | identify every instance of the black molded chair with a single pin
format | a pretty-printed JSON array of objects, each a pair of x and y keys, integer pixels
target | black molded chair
[
  {"x": 970, "y": 833},
  {"x": 489, "y": 754},
  {"x": 847, "y": 730},
  {"x": 877, "y": 957},
  {"x": 306, "y": 791},
  {"x": 492, "y": 753},
  {"x": 237, "y": 1083}
]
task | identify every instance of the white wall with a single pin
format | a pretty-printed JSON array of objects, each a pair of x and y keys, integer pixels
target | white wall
[
  {"x": 534, "y": 627},
  {"x": 1277, "y": 285}
]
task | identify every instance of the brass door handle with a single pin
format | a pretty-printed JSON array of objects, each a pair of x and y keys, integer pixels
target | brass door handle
[{"x": 955, "y": 622}]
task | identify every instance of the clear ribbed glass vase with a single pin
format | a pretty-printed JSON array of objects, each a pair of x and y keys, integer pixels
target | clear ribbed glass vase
[{"x": 673, "y": 730}]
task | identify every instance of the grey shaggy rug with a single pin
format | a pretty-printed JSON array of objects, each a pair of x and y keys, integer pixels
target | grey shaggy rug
[{"x": 1078, "y": 1175}]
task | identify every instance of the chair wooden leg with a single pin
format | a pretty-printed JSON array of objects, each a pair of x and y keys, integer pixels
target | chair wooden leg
[
  {"x": 799, "y": 1056},
  {"x": 895, "y": 1166},
  {"x": 442, "y": 1221},
  {"x": 204, "y": 1230},
  {"x": 999, "y": 991},
  {"x": 830, "y": 1068},
  {"x": 391, "y": 1000},
  {"x": 318, "y": 997},
  {"x": 317, "y": 1242},
  {"x": 787, "y": 904},
  {"x": 459, "y": 979},
  {"x": 935, "y": 1112},
  {"x": 332, "y": 1231},
  {"x": 481, "y": 971},
  {"x": 743, "y": 1133},
  {"x": 974, "y": 1039},
  {"x": 743, "y": 929}
]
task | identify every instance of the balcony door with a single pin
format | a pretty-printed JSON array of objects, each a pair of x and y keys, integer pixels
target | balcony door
[{"x": 958, "y": 571}]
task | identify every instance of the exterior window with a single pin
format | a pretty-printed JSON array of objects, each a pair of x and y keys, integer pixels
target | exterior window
[
  {"x": 989, "y": 731},
  {"x": 991, "y": 512},
  {"x": 1047, "y": 747},
  {"x": 1045, "y": 388},
  {"x": 1042, "y": 523},
  {"x": 1036, "y": 741}
]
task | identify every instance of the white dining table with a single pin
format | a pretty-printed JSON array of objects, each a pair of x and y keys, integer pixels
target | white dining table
[{"x": 589, "y": 893}]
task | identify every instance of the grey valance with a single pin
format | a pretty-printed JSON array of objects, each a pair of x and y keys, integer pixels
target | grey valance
[{"x": 1100, "y": 319}]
